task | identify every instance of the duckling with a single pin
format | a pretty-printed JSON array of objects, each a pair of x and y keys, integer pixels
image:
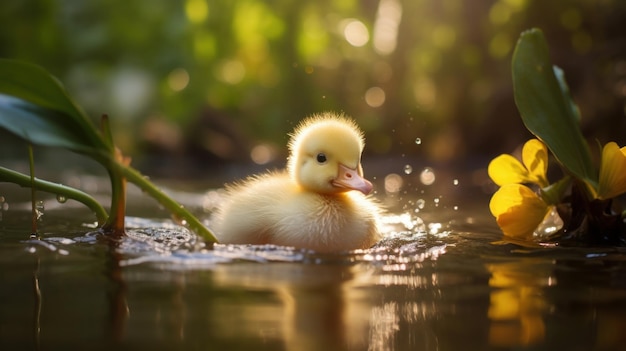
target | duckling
[{"x": 319, "y": 202}]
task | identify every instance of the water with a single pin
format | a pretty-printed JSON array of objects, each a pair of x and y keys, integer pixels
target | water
[{"x": 442, "y": 279}]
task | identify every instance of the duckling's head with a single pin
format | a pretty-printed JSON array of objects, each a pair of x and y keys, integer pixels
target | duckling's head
[{"x": 325, "y": 155}]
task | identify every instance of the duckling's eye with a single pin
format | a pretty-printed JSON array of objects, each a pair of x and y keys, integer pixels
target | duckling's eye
[{"x": 321, "y": 158}]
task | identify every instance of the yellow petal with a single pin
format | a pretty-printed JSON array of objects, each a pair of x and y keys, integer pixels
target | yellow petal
[
  {"x": 518, "y": 210},
  {"x": 612, "y": 171},
  {"x": 506, "y": 169},
  {"x": 535, "y": 158}
]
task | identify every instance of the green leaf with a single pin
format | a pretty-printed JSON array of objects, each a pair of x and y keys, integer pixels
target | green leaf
[
  {"x": 560, "y": 77},
  {"x": 36, "y": 107},
  {"x": 546, "y": 108}
]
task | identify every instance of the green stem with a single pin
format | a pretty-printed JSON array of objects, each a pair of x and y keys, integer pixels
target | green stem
[
  {"x": 115, "y": 223},
  {"x": 177, "y": 210},
  {"x": 8, "y": 175}
]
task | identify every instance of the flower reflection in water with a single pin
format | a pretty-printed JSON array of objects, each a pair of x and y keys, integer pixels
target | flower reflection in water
[{"x": 517, "y": 304}]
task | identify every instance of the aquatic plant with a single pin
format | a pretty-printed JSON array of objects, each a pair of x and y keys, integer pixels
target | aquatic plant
[
  {"x": 35, "y": 106},
  {"x": 582, "y": 205}
]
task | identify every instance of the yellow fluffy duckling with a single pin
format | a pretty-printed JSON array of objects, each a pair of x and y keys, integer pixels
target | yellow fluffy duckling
[{"x": 319, "y": 202}]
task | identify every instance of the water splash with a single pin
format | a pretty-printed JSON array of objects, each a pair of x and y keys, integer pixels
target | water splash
[
  {"x": 420, "y": 203},
  {"x": 427, "y": 176},
  {"x": 39, "y": 210}
]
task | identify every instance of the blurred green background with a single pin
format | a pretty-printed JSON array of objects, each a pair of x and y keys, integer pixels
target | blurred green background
[{"x": 221, "y": 82}]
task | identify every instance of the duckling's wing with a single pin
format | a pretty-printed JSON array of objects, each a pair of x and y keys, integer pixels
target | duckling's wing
[{"x": 249, "y": 210}]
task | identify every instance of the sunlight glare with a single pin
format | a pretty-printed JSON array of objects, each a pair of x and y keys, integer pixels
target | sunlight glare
[
  {"x": 355, "y": 32},
  {"x": 385, "y": 34}
]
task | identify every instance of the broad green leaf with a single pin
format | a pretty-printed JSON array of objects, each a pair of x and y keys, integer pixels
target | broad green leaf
[
  {"x": 39, "y": 126},
  {"x": 560, "y": 77},
  {"x": 36, "y": 107},
  {"x": 546, "y": 108}
]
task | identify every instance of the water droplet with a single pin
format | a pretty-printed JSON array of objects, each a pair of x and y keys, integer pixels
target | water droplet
[
  {"x": 418, "y": 141},
  {"x": 420, "y": 203},
  {"x": 427, "y": 177},
  {"x": 551, "y": 224},
  {"x": 39, "y": 209},
  {"x": 62, "y": 199},
  {"x": 455, "y": 182},
  {"x": 408, "y": 169},
  {"x": 393, "y": 183},
  {"x": 4, "y": 206}
]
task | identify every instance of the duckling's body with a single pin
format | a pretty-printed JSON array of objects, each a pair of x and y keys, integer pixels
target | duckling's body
[{"x": 318, "y": 203}]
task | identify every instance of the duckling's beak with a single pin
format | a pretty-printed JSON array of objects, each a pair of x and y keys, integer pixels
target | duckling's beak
[{"x": 350, "y": 179}]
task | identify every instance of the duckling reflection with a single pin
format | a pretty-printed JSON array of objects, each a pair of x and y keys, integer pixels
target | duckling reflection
[
  {"x": 318, "y": 203},
  {"x": 317, "y": 308}
]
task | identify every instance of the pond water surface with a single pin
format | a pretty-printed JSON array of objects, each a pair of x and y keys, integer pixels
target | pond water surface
[{"x": 442, "y": 279}]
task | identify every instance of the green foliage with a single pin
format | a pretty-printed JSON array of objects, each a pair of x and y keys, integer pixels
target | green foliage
[
  {"x": 547, "y": 110},
  {"x": 35, "y": 107}
]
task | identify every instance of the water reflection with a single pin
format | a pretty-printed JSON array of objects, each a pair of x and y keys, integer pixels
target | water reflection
[
  {"x": 517, "y": 302},
  {"x": 317, "y": 310},
  {"x": 432, "y": 284},
  {"x": 37, "y": 306}
]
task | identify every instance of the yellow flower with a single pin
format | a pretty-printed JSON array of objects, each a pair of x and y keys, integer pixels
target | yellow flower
[
  {"x": 518, "y": 210},
  {"x": 506, "y": 169},
  {"x": 612, "y": 180}
]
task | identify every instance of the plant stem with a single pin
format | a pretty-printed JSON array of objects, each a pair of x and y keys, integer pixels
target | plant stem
[
  {"x": 33, "y": 191},
  {"x": 178, "y": 211},
  {"x": 115, "y": 223},
  {"x": 8, "y": 175}
]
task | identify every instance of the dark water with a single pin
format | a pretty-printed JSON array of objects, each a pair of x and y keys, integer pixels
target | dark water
[{"x": 442, "y": 279}]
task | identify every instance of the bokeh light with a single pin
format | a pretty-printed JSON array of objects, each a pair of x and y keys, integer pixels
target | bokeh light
[
  {"x": 375, "y": 96},
  {"x": 355, "y": 32}
]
